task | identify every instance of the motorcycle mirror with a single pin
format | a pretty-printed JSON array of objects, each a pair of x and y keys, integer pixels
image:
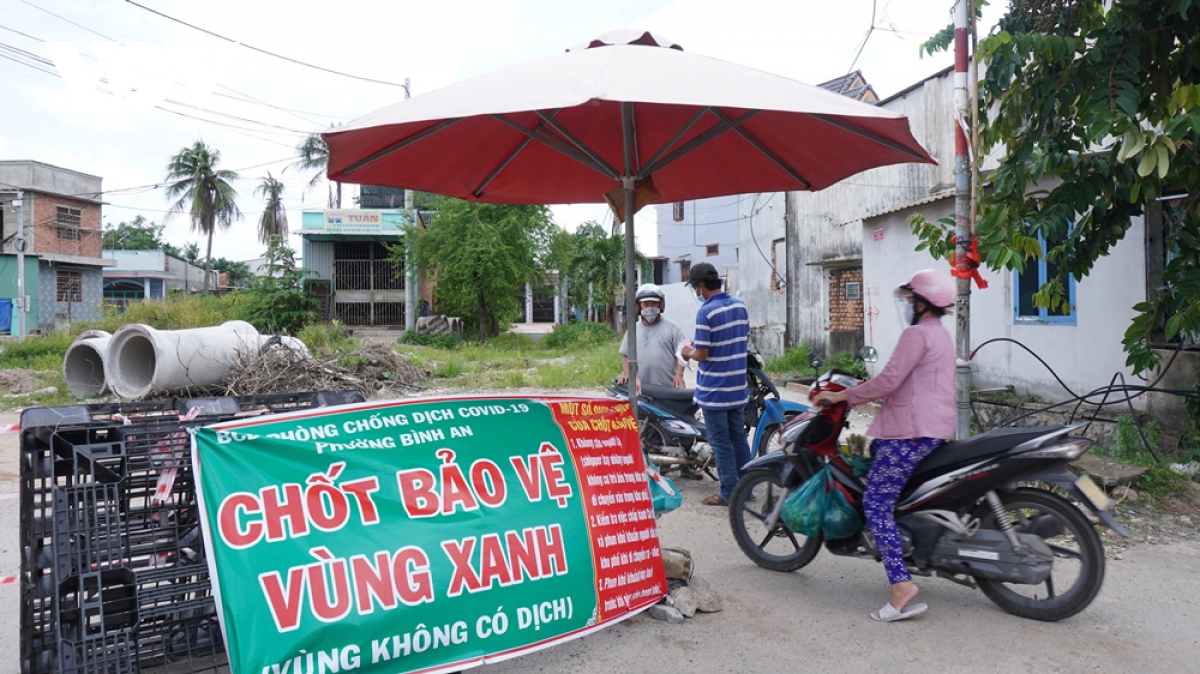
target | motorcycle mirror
[
  {"x": 868, "y": 354},
  {"x": 815, "y": 361}
]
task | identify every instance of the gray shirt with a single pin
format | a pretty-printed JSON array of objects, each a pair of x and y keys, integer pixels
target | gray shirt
[{"x": 656, "y": 351}]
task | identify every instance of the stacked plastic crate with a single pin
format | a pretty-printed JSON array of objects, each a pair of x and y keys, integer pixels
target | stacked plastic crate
[{"x": 113, "y": 571}]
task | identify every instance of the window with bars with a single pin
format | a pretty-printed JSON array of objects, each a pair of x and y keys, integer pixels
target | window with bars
[
  {"x": 712, "y": 249},
  {"x": 1029, "y": 281},
  {"x": 685, "y": 270},
  {"x": 67, "y": 222},
  {"x": 70, "y": 285}
]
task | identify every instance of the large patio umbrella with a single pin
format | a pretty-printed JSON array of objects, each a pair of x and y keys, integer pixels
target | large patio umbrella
[{"x": 629, "y": 118}]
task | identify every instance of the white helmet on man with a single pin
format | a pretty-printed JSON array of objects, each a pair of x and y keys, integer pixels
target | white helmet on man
[{"x": 649, "y": 291}]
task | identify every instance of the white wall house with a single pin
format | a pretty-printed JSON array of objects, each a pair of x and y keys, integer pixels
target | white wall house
[
  {"x": 1083, "y": 345},
  {"x": 691, "y": 232}
]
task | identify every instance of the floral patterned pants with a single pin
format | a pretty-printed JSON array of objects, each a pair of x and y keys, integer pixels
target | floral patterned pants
[{"x": 892, "y": 463}]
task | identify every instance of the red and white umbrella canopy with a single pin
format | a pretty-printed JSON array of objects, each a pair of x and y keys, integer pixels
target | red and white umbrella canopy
[{"x": 567, "y": 128}]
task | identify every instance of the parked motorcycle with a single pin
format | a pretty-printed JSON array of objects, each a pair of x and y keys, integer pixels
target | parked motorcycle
[
  {"x": 767, "y": 412},
  {"x": 672, "y": 435},
  {"x": 964, "y": 514}
]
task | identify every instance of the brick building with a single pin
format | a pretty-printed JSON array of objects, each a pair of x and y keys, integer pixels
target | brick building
[{"x": 60, "y": 215}]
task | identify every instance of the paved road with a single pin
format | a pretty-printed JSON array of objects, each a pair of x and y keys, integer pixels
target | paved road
[{"x": 1146, "y": 619}]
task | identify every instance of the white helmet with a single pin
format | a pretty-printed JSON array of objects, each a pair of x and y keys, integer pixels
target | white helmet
[{"x": 649, "y": 291}]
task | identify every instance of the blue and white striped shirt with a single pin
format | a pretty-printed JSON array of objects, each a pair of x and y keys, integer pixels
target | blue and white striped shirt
[{"x": 722, "y": 327}]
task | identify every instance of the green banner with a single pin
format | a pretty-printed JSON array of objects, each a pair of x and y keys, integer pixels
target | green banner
[{"x": 424, "y": 535}]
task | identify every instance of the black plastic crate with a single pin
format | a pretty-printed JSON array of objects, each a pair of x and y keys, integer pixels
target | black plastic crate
[{"x": 113, "y": 574}]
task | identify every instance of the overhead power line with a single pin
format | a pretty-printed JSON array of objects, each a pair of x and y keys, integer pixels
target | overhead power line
[
  {"x": 241, "y": 95},
  {"x": 264, "y": 51}
]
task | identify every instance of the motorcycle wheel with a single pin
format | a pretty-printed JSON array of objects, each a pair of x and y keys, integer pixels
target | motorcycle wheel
[
  {"x": 1078, "y": 558},
  {"x": 777, "y": 548},
  {"x": 769, "y": 442}
]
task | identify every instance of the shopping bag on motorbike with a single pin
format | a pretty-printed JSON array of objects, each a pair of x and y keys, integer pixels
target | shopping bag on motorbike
[
  {"x": 664, "y": 495},
  {"x": 804, "y": 510},
  {"x": 839, "y": 519}
]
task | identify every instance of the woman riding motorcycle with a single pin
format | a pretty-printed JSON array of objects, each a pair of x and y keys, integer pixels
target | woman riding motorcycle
[{"x": 917, "y": 416}]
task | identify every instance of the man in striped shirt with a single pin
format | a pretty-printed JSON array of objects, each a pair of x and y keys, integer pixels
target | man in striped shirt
[{"x": 722, "y": 335}]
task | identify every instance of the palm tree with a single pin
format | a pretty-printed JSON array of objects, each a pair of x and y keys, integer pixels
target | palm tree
[
  {"x": 274, "y": 217},
  {"x": 314, "y": 156},
  {"x": 204, "y": 191},
  {"x": 191, "y": 252},
  {"x": 600, "y": 260}
]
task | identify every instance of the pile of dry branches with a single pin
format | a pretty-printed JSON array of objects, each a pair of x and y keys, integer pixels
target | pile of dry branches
[{"x": 374, "y": 369}]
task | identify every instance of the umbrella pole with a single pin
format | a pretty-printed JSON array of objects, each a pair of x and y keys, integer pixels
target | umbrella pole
[{"x": 631, "y": 314}]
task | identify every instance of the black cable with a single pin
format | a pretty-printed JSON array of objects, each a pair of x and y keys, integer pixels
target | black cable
[
  {"x": 263, "y": 51},
  {"x": 1131, "y": 391}
]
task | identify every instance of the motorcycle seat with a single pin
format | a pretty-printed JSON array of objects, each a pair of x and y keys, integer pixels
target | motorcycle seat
[
  {"x": 667, "y": 393},
  {"x": 992, "y": 443}
]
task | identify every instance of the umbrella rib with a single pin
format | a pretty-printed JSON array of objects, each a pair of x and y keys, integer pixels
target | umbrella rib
[
  {"x": 767, "y": 153},
  {"x": 833, "y": 121},
  {"x": 503, "y": 165},
  {"x": 400, "y": 145},
  {"x": 556, "y": 144},
  {"x": 678, "y": 134},
  {"x": 574, "y": 140},
  {"x": 695, "y": 143}
]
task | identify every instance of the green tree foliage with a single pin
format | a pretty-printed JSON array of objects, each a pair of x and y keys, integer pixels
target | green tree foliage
[
  {"x": 481, "y": 256},
  {"x": 599, "y": 259},
  {"x": 273, "y": 222},
  {"x": 239, "y": 272},
  {"x": 137, "y": 234},
  {"x": 204, "y": 192},
  {"x": 277, "y": 300},
  {"x": 1107, "y": 101},
  {"x": 314, "y": 156}
]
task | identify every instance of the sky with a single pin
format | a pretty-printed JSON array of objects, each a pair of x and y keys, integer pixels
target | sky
[{"x": 261, "y": 106}]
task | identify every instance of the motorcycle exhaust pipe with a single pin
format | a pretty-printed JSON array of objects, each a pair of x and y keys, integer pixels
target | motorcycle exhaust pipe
[{"x": 668, "y": 461}]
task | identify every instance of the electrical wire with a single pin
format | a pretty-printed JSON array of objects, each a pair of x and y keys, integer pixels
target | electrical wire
[
  {"x": 263, "y": 51},
  {"x": 1131, "y": 391},
  {"x": 241, "y": 96}
]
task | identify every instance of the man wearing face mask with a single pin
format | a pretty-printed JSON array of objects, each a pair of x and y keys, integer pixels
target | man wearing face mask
[
  {"x": 722, "y": 337},
  {"x": 658, "y": 338}
]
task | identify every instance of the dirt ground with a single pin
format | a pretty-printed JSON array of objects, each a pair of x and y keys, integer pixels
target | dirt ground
[{"x": 1145, "y": 619}]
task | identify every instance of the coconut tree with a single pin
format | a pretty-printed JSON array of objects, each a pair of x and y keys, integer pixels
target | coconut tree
[
  {"x": 314, "y": 156},
  {"x": 204, "y": 192},
  {"x": 600, "y": 260},
  {"x": 273, "y": 222}
]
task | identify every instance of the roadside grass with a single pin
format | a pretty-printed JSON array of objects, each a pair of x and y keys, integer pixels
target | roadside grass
[
  {"x": 572, "y": 357},
  {"x": 1161, "y": 480},
  {"x": 793, "y": 362}
]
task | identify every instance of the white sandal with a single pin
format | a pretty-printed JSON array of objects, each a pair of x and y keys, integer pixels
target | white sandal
[{"x": 888, "y": 614}]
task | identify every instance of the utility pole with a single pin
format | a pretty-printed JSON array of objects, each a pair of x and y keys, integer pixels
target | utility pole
[
  {"x": 962, "y": 223},
  {"x": 410, "y": 263},
  {"x": 19, "y": 202}
]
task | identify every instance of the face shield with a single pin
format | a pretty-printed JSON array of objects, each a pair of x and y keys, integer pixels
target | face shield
[{"x": 904, "y": 306}]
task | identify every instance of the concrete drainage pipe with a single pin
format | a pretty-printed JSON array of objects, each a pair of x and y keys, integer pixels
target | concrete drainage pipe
[
  {"x": 142, "y": 359},
  {"x": 83, "y": 364}
]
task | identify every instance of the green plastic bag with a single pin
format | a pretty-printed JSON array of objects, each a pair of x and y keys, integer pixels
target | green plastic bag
[
  {"x": 840, "y": 519},
  {"x": 804, "y": 510},
  {"x": 664, "y": 495}
]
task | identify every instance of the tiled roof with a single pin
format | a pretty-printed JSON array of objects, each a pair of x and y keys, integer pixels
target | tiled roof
[{"x": 852, "y": 85}]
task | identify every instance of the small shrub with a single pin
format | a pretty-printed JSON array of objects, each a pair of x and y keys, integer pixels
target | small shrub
[
  {"x": 447, "y": 341},
  {"x": 451, "y": 369},
  {"x": 326, "y": 336},
  {"x": 36, "y": 353},
  {"x": 793, "y": 361},
  {"x": 578, "y": 334},
  {"x": 846, "y": 362}
]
